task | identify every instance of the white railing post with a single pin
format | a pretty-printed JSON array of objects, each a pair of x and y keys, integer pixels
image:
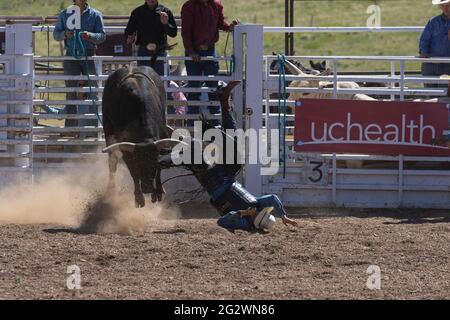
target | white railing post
[
  {"x": 335, "y": 79},
  {"x": 254, "y": 99},
  {"x": 392, "y": 83},
  {"x": 402, "y": 80},
  {"x": 19, "y": 39},
  {"x": 238, "y": 53}
]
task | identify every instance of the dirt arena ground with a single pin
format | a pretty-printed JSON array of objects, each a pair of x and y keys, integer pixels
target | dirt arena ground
[{"x": 190, "y": 257}]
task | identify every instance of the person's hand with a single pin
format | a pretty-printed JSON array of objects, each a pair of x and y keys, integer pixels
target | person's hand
[
  {"x": 423, "y": 55},
  {"x": 131, "y": 39},
  {"x": 287, "y": 221},
  {"x": 249, "y": 212},
  {"x": 69, "y": 34},
  {"x": 85, "y": 35},
  {"x": 195, "y": 57},
  {"x": 164, "y": 17},
  {"x": 234, "y": 23}
]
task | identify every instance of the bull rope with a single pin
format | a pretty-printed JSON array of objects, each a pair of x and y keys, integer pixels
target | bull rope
[
  {"x": 281, "y": 60},
  {"x": 196, "y": 192},
  {"x": 78, "y": 50}
]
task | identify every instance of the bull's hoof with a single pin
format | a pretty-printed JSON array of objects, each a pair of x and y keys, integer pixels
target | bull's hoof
[
  {"x": 158, "y": 195},
  {"x": 139, "y": 200}
]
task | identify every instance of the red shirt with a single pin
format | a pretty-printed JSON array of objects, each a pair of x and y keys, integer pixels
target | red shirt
[{"x": 200, "y": 23}]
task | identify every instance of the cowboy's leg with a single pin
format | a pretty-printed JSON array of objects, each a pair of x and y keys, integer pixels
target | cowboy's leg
[
  {"x": 143, "y": 52},
  {"x": 159, "y": 64},
  {"x": 71, "y": 67},
  {"x": 211, "y": 68},
  {"x": 429, "y": 69},
  {"x": 193, "y": 69},
  {"x": 234, "y": 221},
  {"x": 271, "y": 200},
  {"x": 93, "y": 107}
]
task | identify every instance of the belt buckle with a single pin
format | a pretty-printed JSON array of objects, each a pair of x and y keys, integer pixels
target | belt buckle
[
  {"x": 203, "y": 47},
  {"x": 151, "y": 46}
]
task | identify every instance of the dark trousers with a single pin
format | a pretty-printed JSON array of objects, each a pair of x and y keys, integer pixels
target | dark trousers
[
  {"x": 202, "y": 68},
  {"x": 159, "y": 65},
  {"x": 75, "y": 68},
  {"x": 435, "y": 69}
]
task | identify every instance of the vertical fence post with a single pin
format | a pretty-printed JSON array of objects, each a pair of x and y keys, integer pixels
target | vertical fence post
[
  {"x": 238, "y": 53},
  {"x": 254, "y": 99},
  {"x": 402, "y": 80},
  {"x": 335, "y": 79},
  {"x": 19, "y": 39},
  {"x": 392, "y": 83}
]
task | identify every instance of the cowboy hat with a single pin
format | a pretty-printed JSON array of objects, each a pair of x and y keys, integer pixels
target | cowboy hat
[
  {"x": 435, "y": 2},
  {"x": 264, "y": 219}
]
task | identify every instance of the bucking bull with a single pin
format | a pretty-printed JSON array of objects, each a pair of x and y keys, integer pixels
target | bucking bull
[{"x": 134, "y": 123}]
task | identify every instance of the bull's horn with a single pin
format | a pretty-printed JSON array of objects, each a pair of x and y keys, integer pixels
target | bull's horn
[
  {"x": 168, "y": 143},
  {"x": 122, "y": 146},
  {"x": 169, "y": 129},
  {"x": 293, "y": 68}
]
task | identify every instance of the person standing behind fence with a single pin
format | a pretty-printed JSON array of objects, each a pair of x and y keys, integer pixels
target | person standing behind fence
[
  {"x": 92, "y": 34},
  {"x": 201, "y": 21},
  {"x": 152, "y": 22},
  {"x": 435, "y": 42}
]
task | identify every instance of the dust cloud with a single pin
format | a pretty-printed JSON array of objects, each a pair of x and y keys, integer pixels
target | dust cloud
[{"x": 80, "y": 200}]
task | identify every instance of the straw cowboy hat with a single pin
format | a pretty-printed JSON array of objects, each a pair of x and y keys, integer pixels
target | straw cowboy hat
[{"x": 435, "y": 2}]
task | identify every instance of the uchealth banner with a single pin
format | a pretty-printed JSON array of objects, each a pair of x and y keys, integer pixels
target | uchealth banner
[{"x": 370, "y": 127}]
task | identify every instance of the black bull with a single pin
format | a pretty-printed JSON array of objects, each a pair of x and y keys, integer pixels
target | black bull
[{"x": 134, "y": 122}]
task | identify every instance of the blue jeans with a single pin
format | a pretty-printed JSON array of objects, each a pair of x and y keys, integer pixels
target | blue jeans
[
  {"x": 202, "y": 68},
  {"x": 75, "y": 68},
  {"x": 233, "y": 220},
  {"x": 82, "y": 109},
  {"x": 159, "y": 65}
]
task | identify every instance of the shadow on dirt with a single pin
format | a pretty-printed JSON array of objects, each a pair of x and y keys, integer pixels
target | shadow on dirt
[
  {"x": 405, "y": 216},
  {"x": 69, "y": 230}
]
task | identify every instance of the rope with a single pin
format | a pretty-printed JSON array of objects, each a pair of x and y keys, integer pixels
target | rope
[
  {"x": 195, "y": 192},
  {"x": 233, "y": 59},
  {"x": 282, "y": 91},
  {"x": 179, "y": 176},
  {"x": 78, "y": 50},
  {"x": 225, "y": 50}
]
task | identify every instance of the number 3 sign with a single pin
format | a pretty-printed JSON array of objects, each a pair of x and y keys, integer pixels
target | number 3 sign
[{"x": 315, "y": 171}]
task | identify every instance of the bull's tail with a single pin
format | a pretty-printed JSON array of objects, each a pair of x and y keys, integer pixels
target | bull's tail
[
  {"x": 158, "y": 51},
  {"x": 224, "y": 94}
]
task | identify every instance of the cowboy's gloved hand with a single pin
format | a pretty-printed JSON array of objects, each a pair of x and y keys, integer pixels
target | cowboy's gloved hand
[{"x": 249, "y": 212}]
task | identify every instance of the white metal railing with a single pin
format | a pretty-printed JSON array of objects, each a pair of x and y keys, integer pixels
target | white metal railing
[
  {"x": 396, "y": 84},
  {"x": 269, "y": 29},
  {"x": 257, "y": 82}
]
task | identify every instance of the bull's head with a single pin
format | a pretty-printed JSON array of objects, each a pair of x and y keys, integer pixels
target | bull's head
[{"x": 146, "y": 155}]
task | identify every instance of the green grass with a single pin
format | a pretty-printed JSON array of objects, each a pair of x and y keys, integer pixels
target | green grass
[{"x": 271, "y": 13}]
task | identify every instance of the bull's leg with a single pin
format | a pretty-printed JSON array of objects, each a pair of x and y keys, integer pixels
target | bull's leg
[
  {"x": 112, "y": 161},
  {"x": 134, "y": 172},
  {"x": 159, "y": 190},
  {"x": 139, "y": 199}
]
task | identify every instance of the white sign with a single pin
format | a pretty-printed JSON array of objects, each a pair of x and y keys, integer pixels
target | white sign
[{"x": 315, "y": 171}]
